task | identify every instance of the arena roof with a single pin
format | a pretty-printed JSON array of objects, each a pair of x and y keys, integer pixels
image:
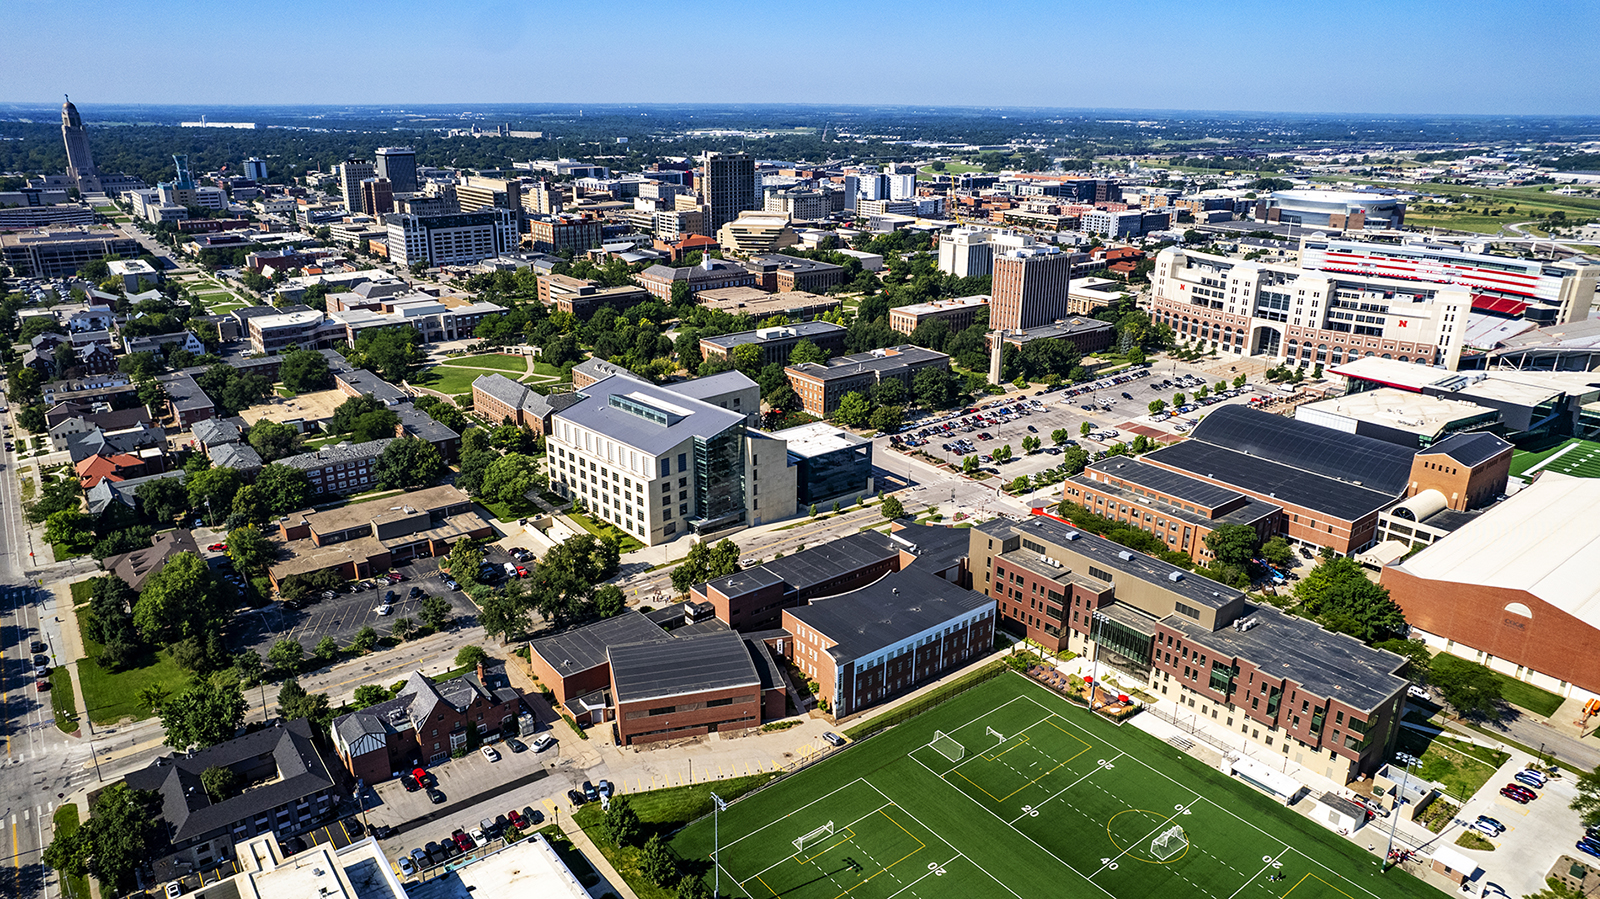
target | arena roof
[
  {"x": 1542, "y": 540},
  {"x": 1363, "y": 461}
]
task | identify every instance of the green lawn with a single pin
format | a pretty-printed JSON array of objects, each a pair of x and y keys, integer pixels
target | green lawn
[
  {"x": 950, "y": 168},
  {"x": 445, "y": 379},
  {"x": 1581, "y": 461},
  {"x": 65, "y": 823},
  {"x": 1458, "y": 766},
  {"x": 61, "y": 701},
  {"x": 1026, "y": 795},
  {"x": 497, "y": 361},
  {"x": 1526, "y": 696},
  {"x": 113, "y": 696},
  {"x": 625, "y": 542},
  {"x": 661, "y": 811},
  {"x": 509, "y": 511}
]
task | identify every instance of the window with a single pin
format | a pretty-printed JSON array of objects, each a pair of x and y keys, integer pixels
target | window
[{"x": 1188, "y": 611}]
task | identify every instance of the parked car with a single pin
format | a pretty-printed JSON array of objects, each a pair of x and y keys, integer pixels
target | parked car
[
  {"x": 383, "y": 609},
  {"x": 590, "y": 794},
  {"x": 463, "y": 842},
  {"x": 420, "y": 856},
  {"x": 1539, "y": 776},
  {"x": 1589, "y": 847},
  {"x": 833, "y": 738},
  {"x": 406, "y": 865},
  {"x": 478, "y": 836},
  {"x": 217, "y": 548},
  {"x": 435, "y": 797},
  {"x": 174, "y": 890},
  {"x": 604, "y": 788},
  {"x": 1485, "y": 828},
  {"x": 516, "y": 745},
  {"x": 1528, "y": 779},
  {"x": 1492, "y": 822},
  {"x": 517, "y": 820},
  {"x": 543, "y": 742},
  {"x": 410, "y": 783},
  {"x": 1514, "y": 795},
  {"x": 576, "y": 797},
  {"x": 490, "y": 753},
  {"x": 532, "y": 815},
  {"x": 37, "y": 646}
]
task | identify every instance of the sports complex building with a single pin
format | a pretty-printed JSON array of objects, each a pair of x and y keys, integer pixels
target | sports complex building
[
  {"x": 1515, "y": 588},
  {"x": 1315, "y": 486},
  {"x": 1328, "y": 701},
  {"x": 1529, "y": 403}
]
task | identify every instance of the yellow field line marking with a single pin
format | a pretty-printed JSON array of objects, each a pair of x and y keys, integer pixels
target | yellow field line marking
[
  {"x": 1318, "y": 880},
  {"x": 1042, "y": 776}
]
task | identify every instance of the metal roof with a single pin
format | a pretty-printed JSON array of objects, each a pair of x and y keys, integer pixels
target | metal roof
[
  {"x": 1360, "y": 460},
  {"x": 1280, "y": 483},
  {"x": 713, "y": 385},
  {"x": 1169, "y": 483},
  {"x": 675, "y": 666},
  {"x": 894, "y": 608},
  {"x": 585, "y": 647},
  {"x": 796, "y": 331},
  {"x": 1469, "y": 449}
]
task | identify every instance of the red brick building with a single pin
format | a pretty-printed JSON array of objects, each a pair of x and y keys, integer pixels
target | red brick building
[{"x": 426, "y": 722}]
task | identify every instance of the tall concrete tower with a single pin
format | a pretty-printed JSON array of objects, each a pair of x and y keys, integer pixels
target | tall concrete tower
[{"x": 80, "y": 165}]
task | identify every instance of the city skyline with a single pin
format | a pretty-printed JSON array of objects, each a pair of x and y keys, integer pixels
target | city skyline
[{"x": 1393, "y": 58}]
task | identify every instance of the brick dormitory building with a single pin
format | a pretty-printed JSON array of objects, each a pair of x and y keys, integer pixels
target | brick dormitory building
[
  {"x": 869, "y": 617},
  {"x": 1324, "y": 700},
  {"x": 425, "y": 722}
]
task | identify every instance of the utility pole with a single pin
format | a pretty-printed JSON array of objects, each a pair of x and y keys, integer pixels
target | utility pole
[
  {"x": 716, "y": 843},
  {"x": 1405, "y": 775}
]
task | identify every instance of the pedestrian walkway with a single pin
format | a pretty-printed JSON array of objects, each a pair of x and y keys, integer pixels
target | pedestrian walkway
[{"x": 610, "y": 880}]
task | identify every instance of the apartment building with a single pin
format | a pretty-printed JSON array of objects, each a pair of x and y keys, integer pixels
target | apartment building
[
  {"x": 821, "y": 386},
  {"x": 1301, "y": 316},
  {"x": 351, "y": 173},
  {"x": 474, "y": 192},
  {"x": 1030, "y": 287},
  {"x": 340, "y": 468},
  {"x": 554, "y": 233},
  {"x": 1326, "y": 701},
  {"x": 958, "y": 314},
  {"x": 425, "y": 722},
  {"x": 728, "y": 187},
  {"x": 798, "y": 203}
]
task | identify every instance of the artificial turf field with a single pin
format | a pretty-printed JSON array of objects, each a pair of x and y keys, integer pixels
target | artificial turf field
[
  {"x": 1575, "y": 457},
  {"x": 1043, "y": 800}
]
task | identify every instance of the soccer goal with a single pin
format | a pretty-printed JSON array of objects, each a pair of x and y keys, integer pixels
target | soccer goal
[
  {"x": 813, "y": 838},
  {"x": 994, "y": 733},
  {"x": 946, "y": 745},
  {"x": 1169, "y": 843}
]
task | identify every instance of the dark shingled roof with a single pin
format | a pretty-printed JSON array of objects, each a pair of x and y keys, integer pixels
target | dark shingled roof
[
  {"x": 585, "y": 647},
  {"x": 302, "y": 772}
]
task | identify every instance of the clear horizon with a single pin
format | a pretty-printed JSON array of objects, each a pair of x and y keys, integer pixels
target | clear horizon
[{"x": 1404, "y": 57}]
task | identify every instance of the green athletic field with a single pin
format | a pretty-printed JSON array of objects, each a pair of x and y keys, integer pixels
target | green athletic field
[
  {"x": 1026, "y": 796},
  {"x": 1575, "y": 457}
]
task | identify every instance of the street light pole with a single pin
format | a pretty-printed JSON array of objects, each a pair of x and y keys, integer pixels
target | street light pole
[
  {"x": 1405, "y": 775},
  {"x": 716, "y": 843}
]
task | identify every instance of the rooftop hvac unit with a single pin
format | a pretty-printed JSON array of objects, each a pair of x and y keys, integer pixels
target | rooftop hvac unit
[
  {"x": 1125, "y": 556},
  {"x": 1175, "y": 577},
  {"x": 1073, "y": 535}
]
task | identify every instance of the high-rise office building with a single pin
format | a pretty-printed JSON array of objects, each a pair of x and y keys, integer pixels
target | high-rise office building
[
  {"x": 728, "y": 187},
  {"x": 901, "y": 187},
  {"x": 1030, "y": 287},
  {"x": 399, "y": 165},
  {"x": 351, "y": 173},
  {"x": 255, "y": 169},
  {"x": 475, "y": 192},
  {"x": 80, "y": 163},
  {"x": 874, "y": 186},
  {"x": 377, "y": 196}
]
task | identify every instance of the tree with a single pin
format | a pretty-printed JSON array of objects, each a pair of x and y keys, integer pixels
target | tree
[
  {"x": 248, "y": 668},
  {"x": 1587, "y": 802},
  {"x": 505, "y": 614},
  {"x": 248, "y": 508},
  {"x": 1233, "y": 544},
  {"x": 1002, "y": 454},
  {"x": 1019, "y": 484},
  {"x": 466, "y": 558},
  {"x": 409, "y": 462},
  {"x": 374, "y": 425},
  {"x": 345, "y": 415},
  {"x": 658, "y": 863},
  {"x": 283, "y": 489},
  {"x": 304, "y": 371},
  {"x": 1084, "y": 429},
  {"x": 220, "y": 782},
  {"x": 394, "y": 353},
  {"x": 121, "y": 835},
  {"x": 890, "y": 392},
  {"x": 203, "y": 715},
  {"x": 854, "y": 411},
  {"x": 933, "y": 388},
  {"x": 969, "y": 465},
  {"x": 471, "y": 656},
  {"x": 888, "y": 419},
  {"x": 682, "y": 294},
  {"x": 163, "y": 500},
  {"x": 326, "y": 650},
  {"x": 1030, "y": 444},
  {"x": 703, "y": 563},
  {"x": 285, "y": 655},
  {"x": 1472, "y": 689},
  {"x": 508, "y": 479},
  {"x": 1156, "y": 406},
  {"x": 68, "y": 530},
  {"x": 250, "y": 551},
  {"x": 369, "y": 695},
  {"x": 109, "y": 622},
  {"x": 1239, "y": 381},
  {"x": 294, "y": 703},
  {"x": 1178, "y": 400},
  {"x": 274, "y": 440},
  {"x": 621, "y": 823},
  {"x": 404, "y": 627},
  {"x": 1277, "y": 552},
  {"x": 609, "y": 601},
  {"x": 805, "y": 351},
  {"x": 892, "y": 508},
  {"x": 435, "y": 612},
  {"x": 1419, "y": 661},
  {"x": 1059, "y": 436},
  {"x": 442, "y": 412},
  {"x": 181, "y": 601},
  {"x": 213, "y": 490},
  {"x": 1341, "y": 596}
]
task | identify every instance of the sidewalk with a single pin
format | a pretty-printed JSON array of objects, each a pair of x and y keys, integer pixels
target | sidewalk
[{"x": 610, "y": 880}]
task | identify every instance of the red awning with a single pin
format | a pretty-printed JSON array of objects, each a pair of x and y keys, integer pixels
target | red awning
[{"x": 1498, "y": 305}]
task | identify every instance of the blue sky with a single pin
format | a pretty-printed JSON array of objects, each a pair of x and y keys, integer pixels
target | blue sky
[{"x": 1400, "y": 56}]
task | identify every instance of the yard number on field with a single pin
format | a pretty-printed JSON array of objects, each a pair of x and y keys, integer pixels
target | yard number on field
[
  {"x": 936, "y": 868},
  {"x": 1110, "y": 865},
  {"x": 1180, "y": 807},
  {"x": 1272, "y": 861},
  {"x": 1104, "y": 764},
  {"x": 1030, "y": 811}
]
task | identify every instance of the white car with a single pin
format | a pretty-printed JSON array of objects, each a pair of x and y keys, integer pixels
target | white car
[
  {"x": 1485, "y": 828},
  {"x": 407, "y": 867},
  {"x": 174, "y": 890},
  {"x": 384, "y": 609},
  {"x": 543, "y": 743},
  {"x": 490, "y": 753}
]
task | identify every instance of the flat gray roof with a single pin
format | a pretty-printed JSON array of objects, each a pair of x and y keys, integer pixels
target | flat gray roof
[
  {"x": 797, "y": 331},
  {"x": 675, "y": 666},
  {"x": 886, "y": 359},
  {"x": 685, "y": 416},
  {"x": 898, "y": 606},
  {"x": 585, "y": 647}
]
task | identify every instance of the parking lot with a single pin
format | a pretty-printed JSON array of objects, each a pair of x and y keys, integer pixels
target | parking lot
[
  {"x": 1112, "y": 417},
  {"x": 1535, "y": 835},
  {"x": 346, "y": 613}
]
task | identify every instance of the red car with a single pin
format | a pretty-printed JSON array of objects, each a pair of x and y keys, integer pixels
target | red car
[
  {"x": 1515, "y": 794},
  {"x": 217, "y": 548},
  {"x": 522, "y": 571},
  {"x": 516, "y": 819},
  {"x": 463, "y": 841}
]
